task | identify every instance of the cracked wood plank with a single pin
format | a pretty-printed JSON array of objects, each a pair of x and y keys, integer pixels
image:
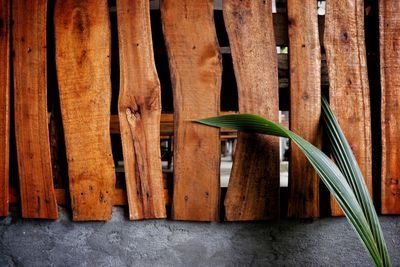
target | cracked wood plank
[
  {"x": 30, "y": 107},
  {"x": 389, "y": 14},
  {"x": 344, "y": 43},
  {"x": 195, "y": 64},
  {"x": 83, "y": 47},
  {"x": 253, "y": 191},
  {"x": 140, "y": 112},
  {"x": 4, "y": 104},
  {"x": 305, "y": 105}
]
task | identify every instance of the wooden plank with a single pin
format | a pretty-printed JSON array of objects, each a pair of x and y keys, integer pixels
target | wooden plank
[
  {"x": 30, "y": 106},
  {"x": 349, "y": 90},
  {"x": 195, "y": 64},
  {"x": 253, "y": 191},
  {"x": 305, "y": 105},
  {"x": 82, "y": 32},
  {"x": 4, "y": 103},
  {"x": 389, "y": 14},
  {"x": 139, "y": 108}
]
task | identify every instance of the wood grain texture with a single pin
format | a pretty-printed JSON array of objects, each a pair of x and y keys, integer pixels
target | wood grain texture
[
  {"x": 140, "y": 111},
  {"x": 83, "y": 47},
  {"x": 305, "y": 105},
  {"x": 253, "y": 191},
  {"x": 30, "y": 107},
  {"x": 4, "y": 103},
  {"x": 344, "y": 43},
  {"x": 195, "y": 65},
  {"x": 389, "y": 14}
]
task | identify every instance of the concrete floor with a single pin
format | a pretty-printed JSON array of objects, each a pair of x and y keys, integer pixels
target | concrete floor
[{"x": 322, "y": 242}]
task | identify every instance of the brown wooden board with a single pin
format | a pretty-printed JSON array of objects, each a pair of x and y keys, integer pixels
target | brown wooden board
[
  {"x": 140, "y": 111},
  {"x": 389, "y": 14},
  {"x": 305, "y": 105},
  {"x": 83, "y": 47},
  {"x": 30, "y": 107},
  {"x": 253, "y": 191},
  {"x": 4, "y": 103},
  {"x": 195, "y": 65},
  {"x": 344, "y": 43}
]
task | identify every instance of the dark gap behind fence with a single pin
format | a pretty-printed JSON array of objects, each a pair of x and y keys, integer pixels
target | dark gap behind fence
[{"x": 373, "y": 63}]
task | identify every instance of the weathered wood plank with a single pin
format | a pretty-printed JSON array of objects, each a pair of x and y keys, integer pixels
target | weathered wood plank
[
  {"x": 4, "y": 103},
  {"x": 253, "y": 191},
  {"x": 349, "y": 90},
  {"x": 196, "y": 70},
  {"x": 82, "y": 32},
  {"x": 140, "y": 111},
  {"x": 305, "y": 105},
  {"x": 389, "y": 14},
  {"x": 30, "y": 106}
]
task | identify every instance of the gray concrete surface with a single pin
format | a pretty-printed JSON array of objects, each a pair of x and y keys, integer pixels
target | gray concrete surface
[{"x": 322, "y": 242}]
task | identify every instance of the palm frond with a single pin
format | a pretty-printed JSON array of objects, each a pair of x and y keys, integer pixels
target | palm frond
[{"x": 344, "y": 180}]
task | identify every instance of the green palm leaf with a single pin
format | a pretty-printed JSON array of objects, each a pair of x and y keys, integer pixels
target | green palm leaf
[{"x": 344, "y": 181}]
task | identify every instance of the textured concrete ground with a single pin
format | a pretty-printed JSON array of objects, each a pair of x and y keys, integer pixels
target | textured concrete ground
[{"x": 322, "y": 242}]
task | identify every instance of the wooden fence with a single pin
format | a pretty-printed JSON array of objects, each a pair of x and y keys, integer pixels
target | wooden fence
[{"x": 84, "y": 82}]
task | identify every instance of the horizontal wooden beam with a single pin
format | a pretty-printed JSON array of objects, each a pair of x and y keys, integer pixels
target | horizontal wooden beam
[
  {"x": 166, "y": 125},
  {"x": 62, "y": 198},
  {"x": 279, "y": 19}
]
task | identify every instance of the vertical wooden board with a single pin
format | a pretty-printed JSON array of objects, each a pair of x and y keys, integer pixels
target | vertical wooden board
[
  {"x": 389, "y": 14},
  {"x": 305, "y": 104},
  {"x": 195, "y": 64},
  {"x": 4, "y": 103},
  {"x": 344, "y": 43},
  {"x": 83, "y": 47},
  {"x": 140, "y": 111},
  {"x": 30, "y": 107},
  {"x": 253, "y": 191}
]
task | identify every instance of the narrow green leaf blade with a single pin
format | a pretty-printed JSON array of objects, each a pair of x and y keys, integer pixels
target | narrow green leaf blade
[
  {"x": 247, "y": 123},
  {"x": 347, "y": 163}
]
